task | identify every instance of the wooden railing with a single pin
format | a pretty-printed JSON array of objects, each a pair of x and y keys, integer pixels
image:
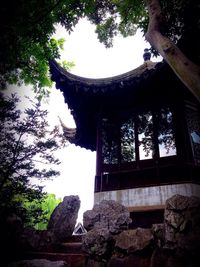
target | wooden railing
[{"x": 171, "y": 173}]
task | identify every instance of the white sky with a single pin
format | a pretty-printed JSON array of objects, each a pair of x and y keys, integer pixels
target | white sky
[
  {"x": 91, "y": 57},
  {"x": 92, "y": 60}
]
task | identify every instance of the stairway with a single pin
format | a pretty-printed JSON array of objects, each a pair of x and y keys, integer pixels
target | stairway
[{"x": 70, "y": 251}]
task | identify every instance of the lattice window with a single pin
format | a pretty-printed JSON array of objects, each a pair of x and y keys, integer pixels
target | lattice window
[
  {"x": 193, "y": 121},
  {"x": 166, "y": 135},
  {"x": 154, "y": 132},
  {"x": 127, "y": 135},
  {"x": 110, "y": 142}
]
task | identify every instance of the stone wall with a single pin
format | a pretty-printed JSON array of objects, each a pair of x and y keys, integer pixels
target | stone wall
[{"x": 152, "y": 196}]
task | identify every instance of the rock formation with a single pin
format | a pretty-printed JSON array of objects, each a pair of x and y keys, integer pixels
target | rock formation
[
  {"x": 181, "y": 234},
  {"x": 19, "y": 239},
  {"x": 182, "y": 223},
  {"x": 63, "y": 219},
  {"x": 175, "y": 243},
  {"x": 103, "y": 221},
  {"x": 110, "y": 243},
  {"x": 109, "y": 215},
  {"x": 61, "y": 225},
  {"x": 133, "y": 240}
]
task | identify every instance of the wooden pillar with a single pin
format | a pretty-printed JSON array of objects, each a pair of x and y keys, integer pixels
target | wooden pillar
[{"x": 99, "y": 150}]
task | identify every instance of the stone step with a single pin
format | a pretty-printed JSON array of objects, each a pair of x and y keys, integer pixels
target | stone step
[
  {"x": 72, "y": 259},
  {"x": 74, "y": 238},
  {"x": 69, "y": 247}
]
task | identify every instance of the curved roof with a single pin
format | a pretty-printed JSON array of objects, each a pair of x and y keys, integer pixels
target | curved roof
[
  {"x": 102, "y": 83},
  {"x": 87, "y": 98}
]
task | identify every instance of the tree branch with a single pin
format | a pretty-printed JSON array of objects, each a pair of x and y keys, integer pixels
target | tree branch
[{"x": 186, "y": 70}]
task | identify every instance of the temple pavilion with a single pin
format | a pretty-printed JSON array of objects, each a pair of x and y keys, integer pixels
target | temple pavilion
[{"x": 145, "y": 128}]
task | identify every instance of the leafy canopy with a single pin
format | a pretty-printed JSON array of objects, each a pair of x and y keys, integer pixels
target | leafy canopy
[
  {"x": 45, "y": 207},
  {"x": 181, "y": 20},
  {"x": 27, "y": 146},
  {"x": 26, "y": 43}
]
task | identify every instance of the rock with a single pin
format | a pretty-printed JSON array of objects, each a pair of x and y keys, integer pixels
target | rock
[
  {"x": 177, "y": 202},
  {"x": 133, "y": 240},
  {"x": 36, "y": 240},
  {"x": 11, "y": 227},
  {"x": 158, "y": 232},
  {"x": 107, "y": 214},
  {"x": 129, "y": 260},
  {"x": 93, "y": 263},
  {"x": 98, "y": 243},
  {"x": 103, "y": 222},
  {"x": 10, "y": 230},
  {"x": 38, "y": 263},
  {"x": 175, "y": 243},
  {"x": 182, "y": 223},
  {"x": 63, "y": 219},
  {"x": 165, "y": 258},
  {"x": 14, "y": 224},
  {"x": 180, "y": 244}
]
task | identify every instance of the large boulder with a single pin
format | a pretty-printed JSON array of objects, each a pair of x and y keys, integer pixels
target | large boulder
[
  {"x": 128, "y": 248},
  {"x": 175, "y": 243},
  {"x": 133, "y": 240},
  {"x": 35, "y": 240},
  {"x": 108, "y": 214},
  {"x": 11, "y": 227},
  {"x": 158, "y": 231},
  {"x": 98, "y": 243},
  {"x": 103, "y": 222},
  {"x": 180, "y": 236},
  {"x": 182, "y": 223},
  {"x": 63, "y": 219}
]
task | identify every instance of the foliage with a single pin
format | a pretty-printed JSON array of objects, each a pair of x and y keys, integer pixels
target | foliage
[
  {"x": 125, "y": 17},
  {"x": 26, "y": 151},
  {"x": 116, "y": 16},
  {"x": 46, "y": 206},
  {"x": 182, "y": 25},
  {"x": 26, "y": 42}
]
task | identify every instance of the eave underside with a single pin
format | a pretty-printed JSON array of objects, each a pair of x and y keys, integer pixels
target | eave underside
[{"x": 89, "y": 99}]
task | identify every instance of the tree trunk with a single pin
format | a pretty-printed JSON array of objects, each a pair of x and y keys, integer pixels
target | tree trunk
[{"x": 186, "y": 70}]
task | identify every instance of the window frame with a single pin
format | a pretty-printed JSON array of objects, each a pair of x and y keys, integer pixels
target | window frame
[{"x": 138, "y": 162}]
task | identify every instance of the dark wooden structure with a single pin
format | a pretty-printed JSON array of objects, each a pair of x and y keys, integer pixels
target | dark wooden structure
[{"x": 145, "y": 127}]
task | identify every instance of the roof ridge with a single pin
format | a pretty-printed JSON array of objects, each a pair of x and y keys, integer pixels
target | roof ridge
[{"x": 146, "y": 66}]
